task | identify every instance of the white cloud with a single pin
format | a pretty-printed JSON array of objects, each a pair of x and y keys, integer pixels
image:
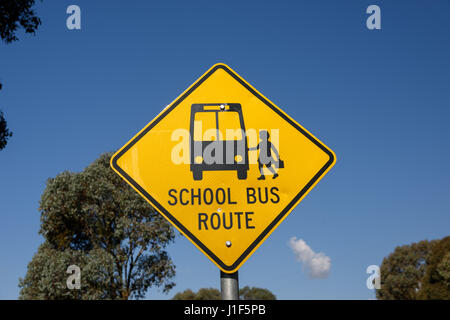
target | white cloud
[{"x": 317, "y": 264}]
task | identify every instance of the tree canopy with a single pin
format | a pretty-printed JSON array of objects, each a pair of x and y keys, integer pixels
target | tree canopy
[
  {"x": 13, "y": 15},
  {"x": 93, "y": 219},
  {"x": 402, "y": 271},
  {"x": 246, "y": 293},
  {"x": 5, "y": 134},
  {"x": 47, "y": 277},
  {"x": 436, "y": 282},
  {"x": 201, "y": 294},
  {"x": 253, "y": 293},
  {"x": 417, "y": 271}
]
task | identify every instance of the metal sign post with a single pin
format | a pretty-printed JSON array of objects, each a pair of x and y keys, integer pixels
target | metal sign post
[{"x": 229, "y": 285}]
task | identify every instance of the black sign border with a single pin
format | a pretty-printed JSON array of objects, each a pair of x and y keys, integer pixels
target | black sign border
[{"x": 280, "y": 216}]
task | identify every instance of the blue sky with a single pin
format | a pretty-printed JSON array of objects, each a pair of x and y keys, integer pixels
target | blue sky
[{"x": 378, "y": 98}]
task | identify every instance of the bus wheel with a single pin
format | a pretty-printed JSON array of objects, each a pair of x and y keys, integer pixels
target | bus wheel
[
  {"x": 198, "y": 174},
  {"x": 242, "y": 174}
]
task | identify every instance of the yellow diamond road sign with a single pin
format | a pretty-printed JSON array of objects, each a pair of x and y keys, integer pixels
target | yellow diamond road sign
[{"x": 224, "y": 165}]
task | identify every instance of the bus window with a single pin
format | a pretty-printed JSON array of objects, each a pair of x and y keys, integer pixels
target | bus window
[
  {"x": 230, "y": 121},
  {"x": 204, "y": 121}
]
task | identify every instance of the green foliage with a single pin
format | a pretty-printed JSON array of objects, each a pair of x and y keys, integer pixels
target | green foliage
[
  {"x": 402, "y": 271},
  {"x": 417, "y": 271},
  {"x": 95, "y": 217},
  {"x": 46, "y": 277},
  {"x": 202, "y": 294},
  {"x": 5, "y": 134},
  {"x": 245, "y": 293},
  {"x": 15, "y": 14},
  {"x": 253, "y": 293},
  {"x": 208, "y": 294},
  {"x": 187, "y": 294},
  {"x": 436, "y": 282}
]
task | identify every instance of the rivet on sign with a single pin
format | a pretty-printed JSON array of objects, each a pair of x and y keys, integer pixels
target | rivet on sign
[
  {"x": 222, "y": 107},
  {"x": 219, "y": 210},
  {"x": 228, "y": 244}
]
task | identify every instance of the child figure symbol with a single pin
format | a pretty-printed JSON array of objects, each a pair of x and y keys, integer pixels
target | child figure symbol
[{"x": 265, "y": 158}]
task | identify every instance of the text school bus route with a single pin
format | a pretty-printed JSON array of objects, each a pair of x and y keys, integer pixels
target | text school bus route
[{"x": 216, "y": 197}]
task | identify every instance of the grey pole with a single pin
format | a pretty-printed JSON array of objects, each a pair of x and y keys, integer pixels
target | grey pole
[{"x": 229, "y": 285}]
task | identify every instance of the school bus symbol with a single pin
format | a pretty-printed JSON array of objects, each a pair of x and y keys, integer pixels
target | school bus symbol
[{"x": 211, "y": 148}]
